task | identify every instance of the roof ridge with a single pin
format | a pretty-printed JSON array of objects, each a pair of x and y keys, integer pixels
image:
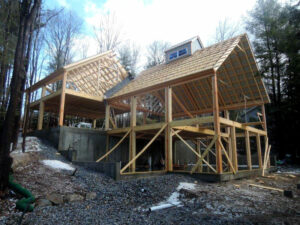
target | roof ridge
[
  {"x": 81, "y": 61},
  {"x": 228, "y": 51}
]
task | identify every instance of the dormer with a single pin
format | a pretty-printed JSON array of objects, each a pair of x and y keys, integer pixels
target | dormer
[{"x": 183, "y": 49}]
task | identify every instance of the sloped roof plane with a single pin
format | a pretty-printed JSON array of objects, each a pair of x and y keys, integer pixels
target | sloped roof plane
[{"x": 232, "y": 60}]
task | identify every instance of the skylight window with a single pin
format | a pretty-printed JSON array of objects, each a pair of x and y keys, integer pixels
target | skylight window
[
  {"x": 173, "y": 55},
  {"x": 182, "y": 52}
]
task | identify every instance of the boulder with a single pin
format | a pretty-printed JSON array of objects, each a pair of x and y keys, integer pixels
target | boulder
[
  {"x": 90, "y": 195},
  {"x": 74, "y": 197},
  {"x": 42, "y": 202},
  {"x": 55, "y": 198}
]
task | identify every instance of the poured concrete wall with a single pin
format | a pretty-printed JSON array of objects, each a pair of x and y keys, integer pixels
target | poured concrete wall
[{"x": 87, "y": 143}]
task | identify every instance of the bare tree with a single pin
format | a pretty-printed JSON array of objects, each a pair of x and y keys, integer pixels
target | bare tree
[
  {"x": 107, "y": 33},
  {"x": 226, "y": 30},
  {"x": 28, "y": 12},
  {"x": 156, "y": 53},
  {"x": 129, "y": 55},
  {"x": 83, "y": 49},
  {"x": 60, "y": 35}
]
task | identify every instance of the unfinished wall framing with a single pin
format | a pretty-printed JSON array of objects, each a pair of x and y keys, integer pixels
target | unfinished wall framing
[{"x": 191, "y": 99}]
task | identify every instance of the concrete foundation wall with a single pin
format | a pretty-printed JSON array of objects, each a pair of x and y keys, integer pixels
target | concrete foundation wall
[
  {"x": 88, "y": 144},
  {"x": 111, "y": 169}
]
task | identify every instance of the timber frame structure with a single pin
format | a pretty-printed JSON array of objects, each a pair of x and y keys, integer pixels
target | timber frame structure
[
  {"x": 77, "y": 89},
  {"x": 192, "y": 99}
]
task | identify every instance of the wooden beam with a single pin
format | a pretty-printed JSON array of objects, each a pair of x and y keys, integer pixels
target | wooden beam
[
  {"x": 206, "y": 151},
  {"x": 173, "y": 82},
  {"x": 234, "y": 151},
  {"x": 181, "y": 105},
  {"x": 199, "y": 130},
  {"x": 193, "y": 121},
  {"x": 226, "y": 107},
  {"x": 54, "y": 94},
  {"x": 241, "y": 126},
  {"x": 198, "y": 147},
  {"x": 195, "y": 152},
  {"x": 143, "y": 150},
  {"x": 258, "y": 146},
  {"x": 126, "y": 107},
  {"x": 118, "y": 130},
  {"x": 168, "y": 133},
  {"x": 132, "y": 140},
  {"x": 112, "y": 122},
  {"x": 84, "y": 95},
  {"x": 217, "y": 123},
  {"x": 41, "y": 110},
  {"x": 55, "y": 76},
  {"x": 113, "y": 148},
  {"x": 62, "y": 100},
  {"x": 228, "y": 142},
  {"x": 228, "y": 159},
  {"x": 248, "y": 150},
  {"x": 107, "y": 116},
  {"x": 41, "y": 116}
]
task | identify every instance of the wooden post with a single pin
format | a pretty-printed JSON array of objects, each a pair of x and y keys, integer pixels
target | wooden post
[
  {"x": 41, "y": 116},
  {"x": 132, "y": 139},
  {"x": 234, "y": 152},
  {"x": 258, "y": 144},
  {"x": 228, "y": 144},
  {"x": 62, "y": 100},
  {"x": 94, "y": 123},
  {"x": 107, "y": 116},
  {"x": 168, "y": 133},
  {"x": 198, "y": 144},
  {"x": 217, "y": 123},
  {"x": 41, "y": 110},
  {"x": 263, "y": 112},
  {"x": 248, "y": 150}
]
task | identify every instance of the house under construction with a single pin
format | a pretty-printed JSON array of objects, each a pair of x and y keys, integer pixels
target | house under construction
[{"x": 191, "y": 99}]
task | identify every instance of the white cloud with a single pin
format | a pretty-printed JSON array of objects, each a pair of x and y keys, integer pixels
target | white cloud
[
  {"x": 63, "y": 3},
  {"x": 168, "y": 20}
]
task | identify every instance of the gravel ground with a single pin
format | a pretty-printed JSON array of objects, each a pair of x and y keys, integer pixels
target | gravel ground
[{"x": 126, "y": 202}]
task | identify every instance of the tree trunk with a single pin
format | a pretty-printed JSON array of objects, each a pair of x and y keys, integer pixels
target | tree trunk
[{"x": 28, "y": 12}]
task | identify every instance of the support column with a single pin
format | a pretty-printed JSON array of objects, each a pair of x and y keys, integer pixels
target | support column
[
  {"x": 41, "y": 110},
  {"x": 228, "y": 144},
  {"x": 263, "y": 112},
  {"x": 217, "y": 123},
  {"x": 94, "y": 123},
  {"x": 107, "y": 115},
  {"x": 198, "y": 144},
  {"x": 248, "y": 150},
  {"x": 234, "y": 152},
  {"x": 168, "y": 133},
  {"x": 132, "y": 138},
  {"x": 62, "y": 100}
]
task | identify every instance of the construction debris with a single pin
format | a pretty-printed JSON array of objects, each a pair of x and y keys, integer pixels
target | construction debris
[{"x": 286, "y": 193}]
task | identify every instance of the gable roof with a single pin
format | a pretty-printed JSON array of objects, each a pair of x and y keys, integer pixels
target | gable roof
[
  {"x": 93, "y": 75},
  {"x": 233, "y": 60}
]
